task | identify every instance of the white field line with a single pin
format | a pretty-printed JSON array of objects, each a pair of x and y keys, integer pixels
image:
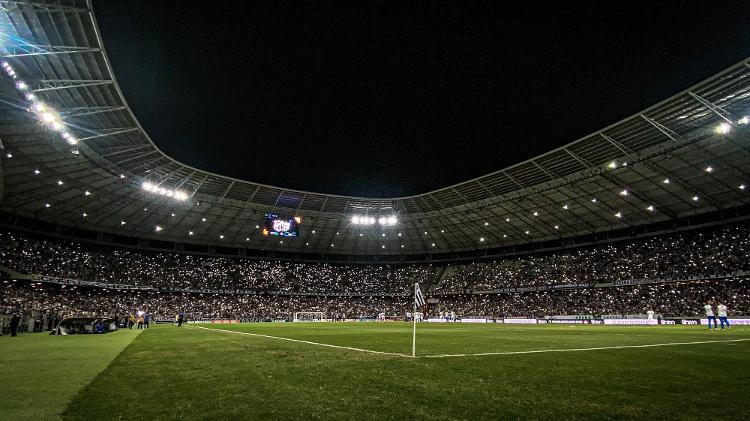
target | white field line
[
  {"x": 599, "y": 348},
  {"x": 536, "y": 351},
  {"x": 305, "y": 342}
]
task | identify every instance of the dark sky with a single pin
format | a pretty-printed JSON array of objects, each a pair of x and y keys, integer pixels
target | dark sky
[{"x": 397, "y": 98}]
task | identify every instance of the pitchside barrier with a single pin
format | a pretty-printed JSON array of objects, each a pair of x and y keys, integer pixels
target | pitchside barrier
[
  {"x": 635, "y": 321},
  {"x": 743, "y": 322}
]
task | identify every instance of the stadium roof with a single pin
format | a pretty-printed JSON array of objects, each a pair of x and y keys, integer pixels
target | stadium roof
[{"x": 685, "y": 156}]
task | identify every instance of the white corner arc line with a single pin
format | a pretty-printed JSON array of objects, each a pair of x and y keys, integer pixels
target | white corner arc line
[
  {"x": 480, "y": 354},
  {"x": 599, "y": 348},
  {"x": 305, "y": 342}
]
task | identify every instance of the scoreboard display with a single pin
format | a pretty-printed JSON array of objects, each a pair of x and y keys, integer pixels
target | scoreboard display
[{"x": 281, "y": 225}]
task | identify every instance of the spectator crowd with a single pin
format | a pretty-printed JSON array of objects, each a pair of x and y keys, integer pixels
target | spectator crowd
[{"x": 276, "y": 289}]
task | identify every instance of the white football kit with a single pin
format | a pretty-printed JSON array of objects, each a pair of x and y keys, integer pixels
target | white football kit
[{"x": 709, "y": 310}]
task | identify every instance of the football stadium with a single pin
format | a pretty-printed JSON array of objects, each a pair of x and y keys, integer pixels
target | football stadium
[{"x": 590, "y": 260}]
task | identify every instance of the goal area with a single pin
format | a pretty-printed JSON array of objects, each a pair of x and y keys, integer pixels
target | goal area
[{"x": 309, "y": 316}]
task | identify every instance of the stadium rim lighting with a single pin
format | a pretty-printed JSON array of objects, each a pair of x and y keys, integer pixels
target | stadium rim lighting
[
  {"x": 565, "y": 207},
  {"x": 481, "y": 239},
  {"x": 723, "y": 128},
  {"x": 695, "y": 198},
  {"x": 618, "y": 215},
  {"x": 624, "y": 192},
  {"x": 709, "y": 169},
  {"x": 744, "y": 120},
  {"x": 158, "y": 228},
  {"x": 36, "y": 172},
  {"x": 666, "y": 181},
  {"x": 742, "y": 187},
  {"x": 650, "y": 208}
]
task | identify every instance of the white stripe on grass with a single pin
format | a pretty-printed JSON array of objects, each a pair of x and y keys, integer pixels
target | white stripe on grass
[
  {"x": 306, "y": 342},
  {"x": 480, "y": 354},
  {"x": 598, "y": 348}
]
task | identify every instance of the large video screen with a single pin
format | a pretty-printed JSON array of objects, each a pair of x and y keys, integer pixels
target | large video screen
[{"x": 281, "y": 225}]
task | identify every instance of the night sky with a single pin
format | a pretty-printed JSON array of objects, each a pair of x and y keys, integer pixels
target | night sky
[{"x": 396, "y": 98}]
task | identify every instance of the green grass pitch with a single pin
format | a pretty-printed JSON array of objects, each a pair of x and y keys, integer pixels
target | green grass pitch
[{"x": 194, "y": 372}]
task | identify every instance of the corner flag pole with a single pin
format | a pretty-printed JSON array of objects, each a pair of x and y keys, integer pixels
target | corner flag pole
[{"x": 414, "y": 330}]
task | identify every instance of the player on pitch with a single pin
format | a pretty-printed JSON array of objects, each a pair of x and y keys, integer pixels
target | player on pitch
[
  {"x": 710, "y": 315},
  {"x": 722, "y": 310}
]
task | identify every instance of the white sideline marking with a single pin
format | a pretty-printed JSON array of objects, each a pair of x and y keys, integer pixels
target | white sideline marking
[
  {"x": 539, "y": 351},
  {"x": 480, "y": 354},
  {"x": 305, "y": 342}
]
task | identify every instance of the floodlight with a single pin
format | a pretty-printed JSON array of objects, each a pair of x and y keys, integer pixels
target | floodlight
[
  {"x": 355, "y": 220},
  {"x": 723, "y": 128}
]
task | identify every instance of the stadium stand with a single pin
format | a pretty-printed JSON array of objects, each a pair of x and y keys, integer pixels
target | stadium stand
[{"x": 671, "y": 274}]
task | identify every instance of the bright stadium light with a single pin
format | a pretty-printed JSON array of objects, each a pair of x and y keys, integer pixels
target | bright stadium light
[
  {"x": 557, "y": 227},
  {"x": 565, "y": 207},
  {"x": 536, "y": 213},
  {"x": 744, "y": 120},
  {"x": 158, "y": 228},
  {"x": 87, "y": 193},
  {"x": 624, "y": 192},
  {"x": 709, "y": 169},
  {"x": 742, "y": 187},
  {"x": 666, "y": 181},
  {"x": 723, "y": 128},
  {"x": 355, "y": 220},
  {"x": 36, "y": 172},
  {"x": 696, "y": 198},
  {"x": 382, "y": 220},
  {"x": 618, "y": 215},
  {"x": 650, "y": 208},
  {"x": 481, "y": 239}
]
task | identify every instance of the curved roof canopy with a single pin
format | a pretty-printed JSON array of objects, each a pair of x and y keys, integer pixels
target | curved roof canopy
[{"x": 684, "y": 156}]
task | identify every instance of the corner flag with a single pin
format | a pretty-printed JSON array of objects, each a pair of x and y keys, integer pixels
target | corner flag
[
  {"x": 418, "y": 298},
  {"x": 418, "y": 302}
]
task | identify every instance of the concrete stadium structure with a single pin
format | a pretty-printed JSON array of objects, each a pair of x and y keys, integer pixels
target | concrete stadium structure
[{"x": 682, "y": 162}]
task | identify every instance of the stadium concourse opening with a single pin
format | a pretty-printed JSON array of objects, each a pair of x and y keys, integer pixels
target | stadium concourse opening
[{"x": 530, "y": 272}]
